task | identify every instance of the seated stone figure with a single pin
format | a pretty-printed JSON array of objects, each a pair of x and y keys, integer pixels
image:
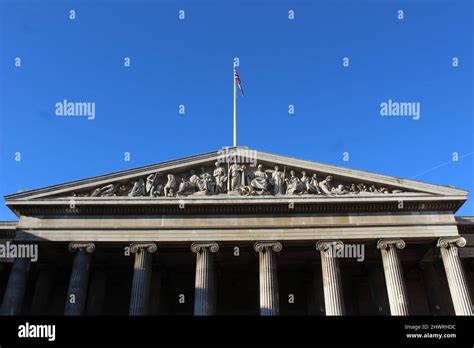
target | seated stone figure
[
  {"x": 294, "y": 185},
  {"x": 260, "y": 180},
  {"x": 340, "y": 190},
  {"x": 206, "y": 183},
  {"x": 326, "y": 185},
  {"x": 138, "y": 188},
  {"x": 186, "y": 187}
]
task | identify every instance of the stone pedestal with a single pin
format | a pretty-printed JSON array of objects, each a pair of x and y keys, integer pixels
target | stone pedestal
[
  {"x": 455, "y": 274},
  {"x": 204, "y": 299},
  {"x": 140, "y": 296},
  {"x": 77, "y": 291},
  {"x": 16, "y": 286},
  {"x": 396, "y": 290},
  {"x": 333, "y": 296},
  {"x": 269, "y": 301}
]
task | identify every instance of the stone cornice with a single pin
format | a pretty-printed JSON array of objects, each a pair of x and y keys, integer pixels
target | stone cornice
[{"x": 235, "y": 206}]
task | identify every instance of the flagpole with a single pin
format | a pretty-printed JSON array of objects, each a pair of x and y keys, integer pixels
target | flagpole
[{"x": 235, "y": 108}]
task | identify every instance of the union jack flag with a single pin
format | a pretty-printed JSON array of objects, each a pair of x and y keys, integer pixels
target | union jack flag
[{"x": 237, "y": 81}]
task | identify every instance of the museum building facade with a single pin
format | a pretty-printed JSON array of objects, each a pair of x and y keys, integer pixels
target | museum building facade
[{"x": 238, "y": 232}]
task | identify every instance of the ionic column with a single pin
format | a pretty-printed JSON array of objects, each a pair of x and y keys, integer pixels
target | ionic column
[
  {"x": 332, "y": 284},
  {"x": 16, "y": 286},
  {"x": 455, "y": 274},
  {"x": 77, "y": 292},
  {"x": 397, "y": 294},
  {"x": 204, "y": 301},
  {"x": 269, "y": 301},
  {"x": 141, "y": 277}
]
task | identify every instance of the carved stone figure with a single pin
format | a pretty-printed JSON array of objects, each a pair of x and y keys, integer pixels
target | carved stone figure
[
  {"x": 353, "y": 189},
  {"x": 237, "y": 178},
  {"x": 305, "y": 180},
  {"x": 109, "y": 190},
  {"x": 312, "y": 185},
  {"x": 236, "y": 174},
  {"x": 151, "y": 187},
  {"x": 186, "y": 187},
  {"x": 96, "y": 192},
  {"x": 294, "y": 185},
  {"x": 260, "y": 179},
  {"x": 158, "y": 191},
  {"x": 220, "y": 179},
  {"x": 326, "y": 185},
  {"x": 278, "y": 181},
  {"x": 170, "y": 187},
  {"x": 340, "y": 190},
  {"x": 207, "y": 184},
  {"x": 104, "y": 191},
  {"x": 138, "y": 189}
]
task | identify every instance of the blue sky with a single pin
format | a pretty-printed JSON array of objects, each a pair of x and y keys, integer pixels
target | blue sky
[{"x": 189, "y": 62}]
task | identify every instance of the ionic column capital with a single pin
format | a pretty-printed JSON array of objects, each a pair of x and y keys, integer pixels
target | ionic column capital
[
  {"x": 149, "y": 247},
  {"x": 87, "y": 247},
  {"x": 384, "y": 244},
  {"x": 448, "y": 242},
  {"x": 324, "y": 245},
  {"x": 261, "y": 246},
  {"x": 197, "y": 247}
]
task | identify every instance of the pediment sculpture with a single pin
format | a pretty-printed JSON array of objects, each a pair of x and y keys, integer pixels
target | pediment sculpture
[{"x": 236, "y": 179}]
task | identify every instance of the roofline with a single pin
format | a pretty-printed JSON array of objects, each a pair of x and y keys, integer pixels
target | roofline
[{"x": 269, "y": 157}]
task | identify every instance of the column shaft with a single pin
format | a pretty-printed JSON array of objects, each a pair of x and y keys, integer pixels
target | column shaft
[
  {"x": 77, "y": 291},
  {"x": 140, "y": 296},
  {"x": 455, "y": 274},
  {"x": 332, "y": 284},
  {"x": 16, "y": 287},
  {"x": 269, "y": 299},
  {"x": 397, "y": 294},
  {"x": 204, "y": 299}
]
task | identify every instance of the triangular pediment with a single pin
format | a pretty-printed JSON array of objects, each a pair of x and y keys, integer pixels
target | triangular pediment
[{"x": 236, "y": 171}]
